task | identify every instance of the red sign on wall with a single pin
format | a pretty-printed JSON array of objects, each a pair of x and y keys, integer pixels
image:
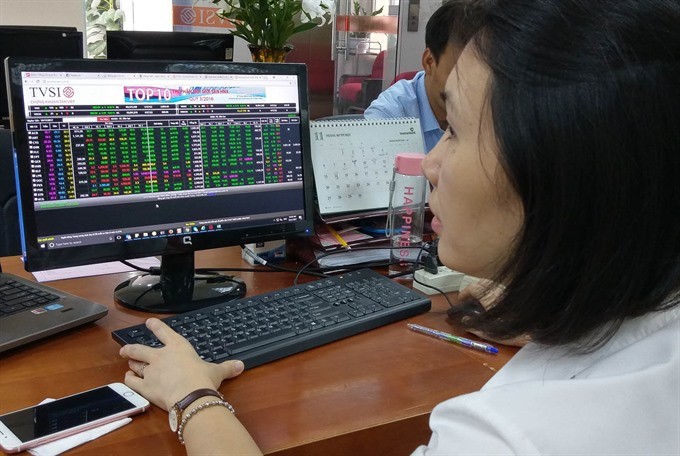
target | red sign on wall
[{"x": 190, "y": 18}]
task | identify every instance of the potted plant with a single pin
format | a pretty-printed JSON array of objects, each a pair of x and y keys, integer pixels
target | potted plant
[
  {"x": 100, "y": 16},
  {"x": 266, "y": 25}
]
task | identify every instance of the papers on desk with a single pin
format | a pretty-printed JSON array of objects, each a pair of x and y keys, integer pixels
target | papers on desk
[
  {"x": 66, "y": 443},
  {"x": 59, "y": 446},
  {"x": 94, "y": 269},
  {"x": 344, "y": 244},
  {"x": 344, "y": 257},
  {"x": 328, "y": 240}
]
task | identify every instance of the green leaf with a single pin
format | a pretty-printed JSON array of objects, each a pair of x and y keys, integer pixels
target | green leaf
[{"x": 265, "y": 22}]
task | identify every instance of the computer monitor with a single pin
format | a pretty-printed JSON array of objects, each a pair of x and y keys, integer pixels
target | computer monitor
[
  {"x": 126, "y": 159},
  {"x": 169, "y": 45},
  {"x": 35, "y": 41}
]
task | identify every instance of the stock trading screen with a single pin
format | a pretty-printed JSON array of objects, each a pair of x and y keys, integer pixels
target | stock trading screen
[{"x": 82, "y": 151}]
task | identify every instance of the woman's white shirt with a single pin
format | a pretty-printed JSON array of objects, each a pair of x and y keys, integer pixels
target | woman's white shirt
[{"x": 622, "y": 399}]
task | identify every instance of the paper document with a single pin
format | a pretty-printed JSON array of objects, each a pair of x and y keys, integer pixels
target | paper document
[
  {"x": 94, "y": 269},
  {"x": 341, "y": 258}
]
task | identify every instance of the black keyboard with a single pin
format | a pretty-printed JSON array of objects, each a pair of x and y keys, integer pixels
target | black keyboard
[
  {"x": 16, "y": 296},
  {"x": 260, "y": 329}
]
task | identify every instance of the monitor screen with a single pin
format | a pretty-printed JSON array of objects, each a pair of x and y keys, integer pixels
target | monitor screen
[
  {"x": 169, "y": 45},
  {"x": 35, "y": 41},
  {"x": 120, "y": 160}
]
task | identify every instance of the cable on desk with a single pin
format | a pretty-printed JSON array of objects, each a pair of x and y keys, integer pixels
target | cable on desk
[
  {"x": 269, "y": 265},
  {"x": 139, "y": 268},
  {"x": 273, "y": 268},
  {"x": 305, "y": 269},
  {"x": 426, "y": 247},
  {"x": 155, "y": 270},
  {"x": 362, "y": 265},
  {"x": 431, "y": 261},
  {"x": 435, "y": 289},
  {"x": 248, "y": 251}
]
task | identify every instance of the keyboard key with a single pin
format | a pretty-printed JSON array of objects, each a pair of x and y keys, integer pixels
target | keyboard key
[
  {"x": 16, "y": 297},
  {"x": 260, "y": 342}
]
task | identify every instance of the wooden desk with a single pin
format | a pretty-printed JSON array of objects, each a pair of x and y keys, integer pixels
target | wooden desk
[{"x": 367, "y": 394}]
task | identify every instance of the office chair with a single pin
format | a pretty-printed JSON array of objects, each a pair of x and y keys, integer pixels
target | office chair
[
  {"x": 357, "y": 91},
  {"x": 10, "y": 240}
]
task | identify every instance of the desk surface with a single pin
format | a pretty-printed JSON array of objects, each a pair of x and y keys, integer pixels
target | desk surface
[{"x": 369, "y": 393}]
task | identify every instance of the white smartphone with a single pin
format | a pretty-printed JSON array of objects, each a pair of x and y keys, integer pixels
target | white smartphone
[{"x": 34, "y": 426}]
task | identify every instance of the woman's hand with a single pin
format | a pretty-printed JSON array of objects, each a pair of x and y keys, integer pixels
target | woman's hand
[
  {"x": 487, "y": 293},
  {"x": 165, "y": 375}
]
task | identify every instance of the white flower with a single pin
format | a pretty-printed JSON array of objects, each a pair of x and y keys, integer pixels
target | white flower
[{"x": 317, "y": 8}]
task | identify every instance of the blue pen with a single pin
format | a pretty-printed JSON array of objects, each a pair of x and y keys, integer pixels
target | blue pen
[{"x": 451, "y": 338}]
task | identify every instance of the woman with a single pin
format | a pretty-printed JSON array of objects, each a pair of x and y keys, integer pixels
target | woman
[{"x": 558, "y": 178}]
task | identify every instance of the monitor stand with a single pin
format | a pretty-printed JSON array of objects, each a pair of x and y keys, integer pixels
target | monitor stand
[{"x": 178, "y": 288}]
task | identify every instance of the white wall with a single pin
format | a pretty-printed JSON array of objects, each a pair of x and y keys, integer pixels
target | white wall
[
  {"x": 154, "y": 15},
  {"x": 412, "y": 44},
  {"x": 70, "y": 13},
  {"x": 147, "y": 14}
]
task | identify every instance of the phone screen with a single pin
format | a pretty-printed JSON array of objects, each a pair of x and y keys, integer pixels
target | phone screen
[{"x": 62, "y": 414}]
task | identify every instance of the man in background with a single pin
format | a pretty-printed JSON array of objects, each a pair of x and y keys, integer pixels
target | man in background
[{"x": 421, "y": 96}]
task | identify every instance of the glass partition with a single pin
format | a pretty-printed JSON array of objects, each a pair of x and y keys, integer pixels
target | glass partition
[{"x": 364, "y": 51}]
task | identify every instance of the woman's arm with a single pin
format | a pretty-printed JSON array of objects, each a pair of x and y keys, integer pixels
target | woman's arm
[
  {"x": 217, "y": 431},
  {"x": 166, "y": 375}
]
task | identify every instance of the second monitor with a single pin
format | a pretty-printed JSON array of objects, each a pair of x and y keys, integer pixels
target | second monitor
[
  {"x": 35, "y": 41},
  {"x": 147, "y": 45}
]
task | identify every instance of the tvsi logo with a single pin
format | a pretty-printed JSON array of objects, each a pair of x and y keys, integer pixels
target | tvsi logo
[{"x": 52, "y": 92}]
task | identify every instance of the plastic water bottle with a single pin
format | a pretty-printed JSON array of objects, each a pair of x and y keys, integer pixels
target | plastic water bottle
[{"x": 406, "y": 212}]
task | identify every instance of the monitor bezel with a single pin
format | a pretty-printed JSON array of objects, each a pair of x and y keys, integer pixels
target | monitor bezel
[
  {"x": 121, "y": 40},
  {"x": 36, "y": 259},
  {"x": 47, "y": 32}
]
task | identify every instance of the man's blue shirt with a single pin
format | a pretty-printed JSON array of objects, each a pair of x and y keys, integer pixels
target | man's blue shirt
[{"x": 408, "y": 98}]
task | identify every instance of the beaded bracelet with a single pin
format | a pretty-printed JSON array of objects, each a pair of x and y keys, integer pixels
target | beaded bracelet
[{"x": 195, "y": 410}]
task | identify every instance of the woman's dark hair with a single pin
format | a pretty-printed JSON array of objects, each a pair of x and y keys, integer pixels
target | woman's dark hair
[{"x": 585, "y": 100}]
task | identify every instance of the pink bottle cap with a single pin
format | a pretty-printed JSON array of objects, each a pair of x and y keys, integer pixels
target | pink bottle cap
[{"x": 408, "y": 163}]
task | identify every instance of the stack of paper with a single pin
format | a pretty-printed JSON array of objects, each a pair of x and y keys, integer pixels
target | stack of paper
[
  {"x": 357, "y": 255},
  {"x": 330, "y": 238}
]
